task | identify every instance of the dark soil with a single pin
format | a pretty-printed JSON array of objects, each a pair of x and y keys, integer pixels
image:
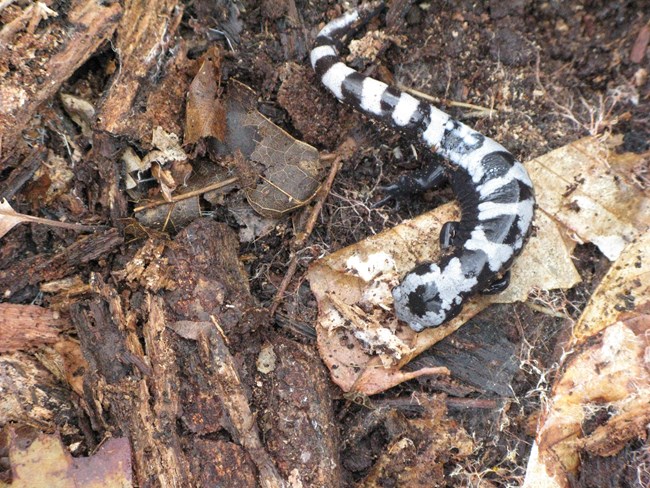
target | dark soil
[{"x": 541, "y": 75}]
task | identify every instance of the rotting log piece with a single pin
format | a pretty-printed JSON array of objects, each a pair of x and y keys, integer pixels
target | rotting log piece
[
  {"x": 36, "y": 57},
  {"x": 171, "y": 347}
]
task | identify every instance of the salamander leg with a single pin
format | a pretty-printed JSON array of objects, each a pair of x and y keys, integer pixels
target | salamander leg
[
  {"x": 497, "y": 286},
  {"x": 413, "y": 183},
  {"x": 448, "y": 234}
]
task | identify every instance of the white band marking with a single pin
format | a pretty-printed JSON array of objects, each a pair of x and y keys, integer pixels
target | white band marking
[
  {"x": 497, "y": 254},
  {"x": 333, "y": 78},
  {"x": 405, "y": 108},
  {"x": 371, "y": 92},
  {"x": 320, "y": 52}
]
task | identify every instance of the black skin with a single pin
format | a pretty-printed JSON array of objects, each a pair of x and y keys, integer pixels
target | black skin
[
  {"x": 428, "y": 178},
  {"x": 447, "y": 234},
  {"x": 414, "y": 182}
]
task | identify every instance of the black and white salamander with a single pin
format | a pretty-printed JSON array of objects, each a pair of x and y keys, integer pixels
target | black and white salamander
[{"x": 493, "y": 189}]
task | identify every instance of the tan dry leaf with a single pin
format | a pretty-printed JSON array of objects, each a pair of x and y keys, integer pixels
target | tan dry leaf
[
  {"x": 606, "y": 371},
  {"x": 45, "y": 463},
  {"x": 288, "y": 171},
  {"x": 205, "y": 115},
  {"x": 167, "y": 153},
  {"x": 589, "y": 189},
  {"x": 353, "y": 285},
  {"x": 133, "y": 166},
  {"x": 9, "y": 218},
  {"x": 625, "y": 289},
  {"x": 80, "y": 111},
  {"x": 359, "y": 338}
]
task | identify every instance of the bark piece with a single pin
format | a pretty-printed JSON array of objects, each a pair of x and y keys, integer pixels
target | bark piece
[
  {"x": 42, "y": 267},
  {"x": 232, "y": 467},
  {"x": 116, "y": 386},
  {"x": 62, "y": 47},
  {"x": 143, "y": 37},
  {"x": 478, "y": 355},
  {"x": 147, "y": 389},
  {"x": 108, "y": 194},
  {"x": 205, "y": 115},
  {"x": 214, "y": 351},
  {"x": 210, "y": 280},
  {"x": 32, "y": 395},
  {"x": 298, "y": 419},
  {"x": 24, "y": 326},
  {"x": 22, "y": 173}
]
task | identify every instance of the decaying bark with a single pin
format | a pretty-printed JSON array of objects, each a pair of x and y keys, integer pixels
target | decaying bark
[
  {"x": 298, "y": 415},
  {"x": 23, "y": 326},
  {"x": 189, "y": 300},
  {"x": 143, "y": 39},
  {"x": 63, "y": 46},
  {"x": 42, "y": 267}
]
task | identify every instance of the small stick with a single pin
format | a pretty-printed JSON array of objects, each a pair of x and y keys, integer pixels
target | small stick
[
  {"x": 444, "y": 101},
  {"x": 344, "y": 151},
  {"x": 189, "y": 194}
]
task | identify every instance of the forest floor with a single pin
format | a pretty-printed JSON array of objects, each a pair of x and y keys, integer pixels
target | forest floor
[{"x": 190, "y": 328}]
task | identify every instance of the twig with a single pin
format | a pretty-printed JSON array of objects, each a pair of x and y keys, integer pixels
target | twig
[
  {"x": 16, "y": 218},
  {"x": 189, "y": 194},
  {"x": 444, "y": 101},
  {"x": 343, "y": 152},
  {"x": 546, "y": 310}
]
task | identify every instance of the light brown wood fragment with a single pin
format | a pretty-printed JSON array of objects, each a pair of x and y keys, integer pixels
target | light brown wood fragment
[
  {"x": 171, "y": 464},
  {"x": 63, "y": 47},
  {"x": 25, "y": 326},
  {"x": 142, "y": 39}
]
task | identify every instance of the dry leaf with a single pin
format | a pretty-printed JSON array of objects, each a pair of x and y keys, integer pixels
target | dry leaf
[
  {"x": 80, "y": 111},
  {"x": 605, "y": 372},
  {"x": 205, "y": 115},
  {"x": 358, "y": 336},
  {"x": 287, "y": 171},
  {"x": 356, "y": 317},
  {"x": 589, "y": 189},
  {"x": 9, "y": 218},
  {"x": 353, "y": 286},
  {"x": 45, "y": 463},
  {"x": 168, "y": 151},
  {"x": 133, "y": 166}
]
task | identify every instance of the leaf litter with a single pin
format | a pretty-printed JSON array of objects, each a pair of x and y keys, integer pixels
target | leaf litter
[{"x": 358, "y": 336}]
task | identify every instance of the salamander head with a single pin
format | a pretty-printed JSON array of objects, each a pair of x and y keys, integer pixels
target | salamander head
[{"x": 429, "y": 296}]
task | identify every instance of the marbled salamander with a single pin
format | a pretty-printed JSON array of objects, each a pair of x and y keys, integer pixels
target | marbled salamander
[{"x": 493, "y": 189}]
